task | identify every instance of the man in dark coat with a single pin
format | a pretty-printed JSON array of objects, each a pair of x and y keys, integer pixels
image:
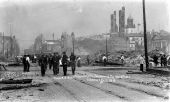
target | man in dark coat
[
  {"x": 155, "y": 60},
  {"x": 73, "y": 62},
  {"x": 55, "y": 63},
  {"x": 27, "y": 63},
  {"x": 164, "y": 60},
  {"x": 43, "y": 63},
  {"x": 24, "y": 62},
  {"x": 50, "y": 61},
  {"x": 64, "y": 63}
]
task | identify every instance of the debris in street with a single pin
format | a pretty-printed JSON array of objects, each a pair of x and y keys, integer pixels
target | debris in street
[
  {"x": 19, "y": 81},
  {"x": 18, "y": 86},
  {"x": 41, "y": 89}
]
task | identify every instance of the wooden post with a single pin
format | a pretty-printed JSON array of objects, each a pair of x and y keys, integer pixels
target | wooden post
[{"x": 145, "y": 37}]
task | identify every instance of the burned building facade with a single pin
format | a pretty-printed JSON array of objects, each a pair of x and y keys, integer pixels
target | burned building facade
[
  {"x": 122, "y": 22},
  {"x": 114, "y": 27}
]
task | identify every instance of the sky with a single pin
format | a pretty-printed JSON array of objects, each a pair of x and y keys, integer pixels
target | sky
[{"x": 26, "y": 19}]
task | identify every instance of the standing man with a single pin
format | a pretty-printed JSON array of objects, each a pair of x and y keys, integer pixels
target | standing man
[
  {"x": 24, "y": 62},
  {"x": 79, "y": 62},
  {"x": 55, "y": 63},
  {"x": 27, "y": 63},
  {"x": 43, "y": 63},
  {"x": 164, "y": 60},
  {"x": 122, "y": 59},
  {"x": 64, "y": 63},
  {"x": 104, "y": 60},
  {"x": 88, "y": 60},
  {"x": 73, "y": 62},
  {"x": 141, "y": 59},
  {"x": 155, "y": 59},
  {"x": 50, "y": 61}
]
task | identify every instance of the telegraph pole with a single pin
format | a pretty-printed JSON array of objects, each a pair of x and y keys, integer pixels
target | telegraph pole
[
  {"x": 53, "y": 36},
  {"x": 106, "y": 48},
  {"x": 53, "y": 44},
  {"x": 145, "y": 37},
  {"x": 3, "y": 43},
  {"x": 11, "y": 40},
  {"x": 72, "y": 34},
  {"x": 41, "y": 44}
]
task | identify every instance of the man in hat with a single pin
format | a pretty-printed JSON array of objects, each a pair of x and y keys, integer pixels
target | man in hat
[
  {"x": 24, "y": 63},
  {"x": 64, "y": 63},
  {"x": 50, "y": 61},
  {"x": 73, "y": 62},
  {"x": 43, "y": 63},
  {"x": 55, "y": 63}
]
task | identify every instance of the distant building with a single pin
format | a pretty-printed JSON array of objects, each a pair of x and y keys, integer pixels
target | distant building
[
  {"x": 161, "y": 42},
  {"x": 122, "y": 22},
  {"x": 130, "y": 27},
  {"x": 136, "y": 41},
  {"x": 114, "y": 27},
  {"x": 66, "y": 43},
  {"x": 117, "y": 43},
  {"x": 52, "y": 46},
  {"x": 8, "y": 46}
]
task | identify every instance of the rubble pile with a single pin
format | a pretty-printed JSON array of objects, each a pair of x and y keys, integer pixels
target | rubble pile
[
  {"x": 10, "y": 75},
  {"x": 153, "y": 83},
  {"x": 131, "y": 57},
  {"x": 16, "y": 75}
]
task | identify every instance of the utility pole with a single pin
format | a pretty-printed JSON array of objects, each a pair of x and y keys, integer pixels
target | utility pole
[
  {"x": 41, "y": 44},
  {"x": 145, "y": 37},
  {"x": 3, "y": 44},
  {"x": 11, "y": 43},
  {"x": 53, "y": 44},
  {"x": 53, "y": 36},
  {"x": 72, "y": 34},
  {"x": 106, "y": 49},
  {"x": 7, "y": 50}
]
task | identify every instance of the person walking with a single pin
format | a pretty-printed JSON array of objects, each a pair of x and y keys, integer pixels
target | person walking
[
  {"x": 64, "y": 63},
  {"x": 43, "y": 63},
  {"x": 73, "y": 62},
  {"x": 50, "y": 61},
  {"x": 55, "y": 63}
]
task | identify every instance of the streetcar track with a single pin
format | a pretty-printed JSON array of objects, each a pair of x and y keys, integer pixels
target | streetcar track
[
  {"x": 139, "y": 90},
  {"x": 103, "y": 90},
  {"x": 135, "y": 89},
  {"x": 69, "y": 91}
]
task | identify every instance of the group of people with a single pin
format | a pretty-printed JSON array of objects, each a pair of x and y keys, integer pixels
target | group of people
[
  {"x": 54, "y": 62},
  {"x": 162, "y": 58}
]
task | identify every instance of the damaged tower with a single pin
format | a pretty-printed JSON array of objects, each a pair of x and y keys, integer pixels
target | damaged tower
[
  {"x": 122, "y": 22},
  {"x": 114, "y": 27}
]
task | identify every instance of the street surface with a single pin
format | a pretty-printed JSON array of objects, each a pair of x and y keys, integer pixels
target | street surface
[{"x": 91, "y": 84}]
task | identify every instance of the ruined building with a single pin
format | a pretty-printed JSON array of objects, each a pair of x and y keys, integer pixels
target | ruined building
[
  {"x": 122, "y": 22},
  {"x": 130, "y": 27},
  {"x": 114, "y": 27}
]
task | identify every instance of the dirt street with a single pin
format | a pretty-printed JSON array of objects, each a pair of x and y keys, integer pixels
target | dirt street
[{"x": 91, "y": 84}]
